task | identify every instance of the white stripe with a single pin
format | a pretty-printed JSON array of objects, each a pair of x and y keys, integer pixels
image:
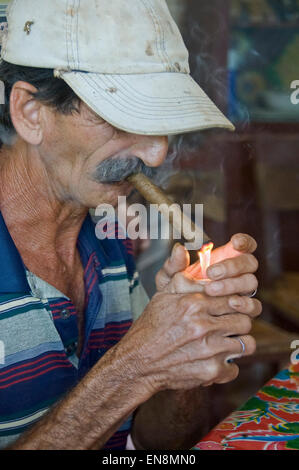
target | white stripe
[
  {"x": 18, "y": 303},
  {"x": 106, "y": 271},
  {"x": 135, "y": 278},
  {"x": 22, "y": 421}
]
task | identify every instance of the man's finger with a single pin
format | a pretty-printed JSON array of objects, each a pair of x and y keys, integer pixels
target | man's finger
[
  {"x": 244, "y": 284},
  {"x": 227, "y": 373},
  {"x": 229, "y": 347},
  {"x": 239, "y": 243},
  {"x": 178, "y": 261},
  {"x": 233, "y": 267},
  {"x": 243, "y": 243},
  {"x": 246, "y": 305},
  {"x": 214, "y": 306},
  {"x": 218, "y": 306}
]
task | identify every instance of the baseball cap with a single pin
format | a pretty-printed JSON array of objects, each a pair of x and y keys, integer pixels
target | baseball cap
[{"x": 125, "y": 59}]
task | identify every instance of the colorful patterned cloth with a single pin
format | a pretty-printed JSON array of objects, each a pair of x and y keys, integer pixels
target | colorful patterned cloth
[{"x": 268, "y": 421}]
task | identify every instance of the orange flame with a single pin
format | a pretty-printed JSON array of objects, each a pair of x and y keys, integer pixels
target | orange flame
[
  {"x": 205, "y": 258},
  {"x": 207, "y": 247},
  {"x": 199, "y": 269}
]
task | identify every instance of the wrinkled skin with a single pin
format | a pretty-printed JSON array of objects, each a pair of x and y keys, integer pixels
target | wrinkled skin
[
  {"x": 183, "y": 339},
  {"x": 197, "y": 326}
]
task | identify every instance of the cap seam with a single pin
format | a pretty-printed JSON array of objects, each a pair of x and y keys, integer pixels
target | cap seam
[
  {"x": 66, "y": 34},
  {"x": 70, "y": 34},
  {"x": 88, "y": 78},
  {"x": 11, "y": 7},
  {"x": 167, "y": 132},
  {"x": 180, "y": 101},
  {"x": 182, "y": 98},
  {"x": 144, "y": 118},
  {"x": 162, "y": 100},
  {"x": 162, "y": 36},
  {"x": 115, "y": 103},
  {"x": 77, "y": 33},
  {"x": 177, "y": 98},
  {"x": 158, "y": 43}
]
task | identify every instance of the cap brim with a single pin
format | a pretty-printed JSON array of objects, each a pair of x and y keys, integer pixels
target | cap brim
[{"x": 148, "y": 104}]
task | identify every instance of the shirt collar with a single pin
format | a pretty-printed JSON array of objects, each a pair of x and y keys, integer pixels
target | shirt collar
[{"x": 12, "y": 273}]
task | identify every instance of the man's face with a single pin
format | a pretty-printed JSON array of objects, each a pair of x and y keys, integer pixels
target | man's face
[{"x": 75, "y": 145}]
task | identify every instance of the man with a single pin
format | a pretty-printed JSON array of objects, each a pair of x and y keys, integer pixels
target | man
[{"x": 87, "y": 83}]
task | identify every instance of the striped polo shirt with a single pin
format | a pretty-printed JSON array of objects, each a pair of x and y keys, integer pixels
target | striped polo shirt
[{"x": 39, "y": 333}]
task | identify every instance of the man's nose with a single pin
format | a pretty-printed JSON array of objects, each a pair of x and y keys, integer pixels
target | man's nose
[{"x": 151, "y": 150}]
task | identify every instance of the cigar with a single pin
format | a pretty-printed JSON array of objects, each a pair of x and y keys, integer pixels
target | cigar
[{"x": 155, "y": 195}]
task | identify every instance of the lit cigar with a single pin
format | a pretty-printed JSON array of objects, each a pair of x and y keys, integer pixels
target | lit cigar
[{"x": 155, "y": 195}]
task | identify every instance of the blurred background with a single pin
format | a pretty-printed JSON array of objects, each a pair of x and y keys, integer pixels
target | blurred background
[{"x": 245, "y": 55}]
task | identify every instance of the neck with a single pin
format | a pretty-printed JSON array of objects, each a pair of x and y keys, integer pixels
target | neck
[{"x": 31, "y": 204}]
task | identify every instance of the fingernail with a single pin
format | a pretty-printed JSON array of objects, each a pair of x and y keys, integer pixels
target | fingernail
[
  {"x": 234, "y": 303},
  {"x": 216, "y": 271},
  {"x": 242, "y": 243},
  {"x": 173, "y": 254},
  {"x": 216, "y": 286}
]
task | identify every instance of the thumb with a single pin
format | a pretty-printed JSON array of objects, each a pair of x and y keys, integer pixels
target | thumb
[{"x": 178, "y": 261}]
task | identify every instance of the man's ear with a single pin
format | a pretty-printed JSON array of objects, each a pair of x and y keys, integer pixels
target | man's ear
[{"x": 25, "y": 113}]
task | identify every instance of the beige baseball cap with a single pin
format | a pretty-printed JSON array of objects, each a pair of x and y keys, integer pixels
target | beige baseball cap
[{"x": 125, "y": 59}]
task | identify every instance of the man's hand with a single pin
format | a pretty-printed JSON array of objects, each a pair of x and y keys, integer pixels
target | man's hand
[
  {"x": 231, "y": 272},
  {"x": 190, "y": 332},
  {"x": 183, "y": 341}
]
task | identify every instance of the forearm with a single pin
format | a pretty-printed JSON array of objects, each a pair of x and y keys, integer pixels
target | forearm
[
  {"x": 92, "y": 412},
  {"x": 171, "y": 420}
]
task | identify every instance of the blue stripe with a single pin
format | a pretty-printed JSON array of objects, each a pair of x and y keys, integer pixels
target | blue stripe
[
  {"x": 31, "y": 354},
  {"x": 111, "y": 318},
  {"x": 47, "y": 383}
]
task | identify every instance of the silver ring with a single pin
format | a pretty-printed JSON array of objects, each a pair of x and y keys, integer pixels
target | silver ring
[
  {"x": 253, "y": 294},
  {"x": 230, "y": 361},
  {"x": 243, "y": 345}
]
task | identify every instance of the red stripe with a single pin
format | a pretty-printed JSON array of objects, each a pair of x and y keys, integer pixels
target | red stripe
[
  {"x": 91, "y": 286},
  {"x": 58, "y": 317},
  {"x": 66, "y": 302},
  {"x": 118, "y": 439},
  {"x": 71, "y": 308},
  {"x": 62, "y": 354},
  {"x": 33, "y": 370},
  {"x": 89, "y": 262},
  {"x": 107, "y": 338},
  {"x": 109, "y": 328},
  {"x": 37, "y": 375},
  {"x": 117, "y": 446},
  {"x": 90, "y": 275}
]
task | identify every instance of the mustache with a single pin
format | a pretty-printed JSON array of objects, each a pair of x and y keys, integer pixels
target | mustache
[{"x": 114, "y": 170}]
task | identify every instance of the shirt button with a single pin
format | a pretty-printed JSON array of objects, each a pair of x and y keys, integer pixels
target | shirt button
[
  {"x": 65, "y": 314},
  {"x": 71, "y": 349}
]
